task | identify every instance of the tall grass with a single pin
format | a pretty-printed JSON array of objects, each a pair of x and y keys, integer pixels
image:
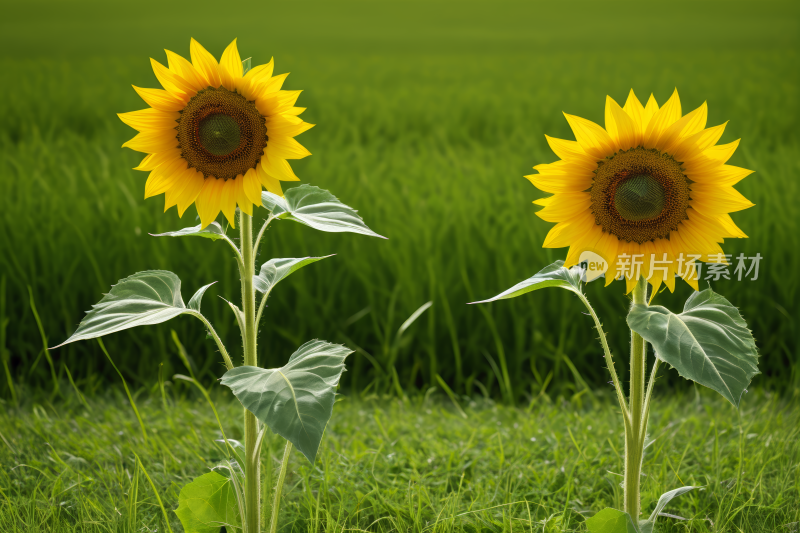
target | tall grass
[{"x": 425, "y": 124}]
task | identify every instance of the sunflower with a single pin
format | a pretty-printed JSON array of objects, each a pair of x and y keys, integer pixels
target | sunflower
[
  {"x": 214, "y": 135},
  {"x": 653, "y": 184}
]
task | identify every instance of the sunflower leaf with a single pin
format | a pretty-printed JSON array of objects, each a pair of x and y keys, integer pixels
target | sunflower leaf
[
  {"x": 709, "y": 343},
  {"x": 646, "y": 526},
  {"x": 554, "y": 275},
  {"x": 145, "y": 298},
  {"x": 208, "y": 503},
  {"x": 316, "y": 208},
  {"x": 275, "y": 270},
  {"x": 295, "y": 401},
  {"x": 611, "y": 521},
  {"x": 213, "y": 231}
]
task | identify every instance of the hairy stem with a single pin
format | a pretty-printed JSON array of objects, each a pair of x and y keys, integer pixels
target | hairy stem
[
  {"x": 634, "y": 436},
  {"x": 276, "y": 504},
  {"x": 609, "y": 362},
  {"x": 213, "y": 333},
  {"x": 252, "y": 475}
]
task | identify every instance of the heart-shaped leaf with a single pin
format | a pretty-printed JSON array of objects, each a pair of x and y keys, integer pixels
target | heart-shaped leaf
[
  {"x": 316, "y": 208},
  {"x": 213, "y": 231},
  {"x": 708, "y": 343},
  {"x": 646, "y": 526},
  {"x": 208, "y": 503},
  {"x": 275, "y": 270},
  {"x": 611, "y": 521},
  {"x": 145, "y": 298},
  {"x": 295, "y": 401},
  {"x": 554, "y": 275}
]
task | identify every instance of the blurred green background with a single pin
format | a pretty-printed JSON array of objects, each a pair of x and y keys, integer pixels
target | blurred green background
[{"x": 429, "y": 114}]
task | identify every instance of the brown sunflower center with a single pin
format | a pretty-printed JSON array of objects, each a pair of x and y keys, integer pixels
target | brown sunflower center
[
  {"x": 640, "y": 195},
  {"x": 221, "y": 133}
]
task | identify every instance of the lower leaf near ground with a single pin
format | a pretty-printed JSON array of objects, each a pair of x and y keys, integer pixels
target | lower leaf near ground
[
  {"x": 295, "y": 401},
  {"x": 208, "y": 503},
  {"x": 611, "y": 521},
  {"x": 708, "y": 343}
]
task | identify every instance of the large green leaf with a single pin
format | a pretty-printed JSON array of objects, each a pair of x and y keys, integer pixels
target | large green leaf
[
  {"x": 275, "y": 270},
  {"x": 611, "y": 521},
  {"x": 316, "y": 208},
  {"x": 554, "y": 275},
  {"x": 295, "y": 401},
  {"x": 145, "y": 298},
  {"x": 208, "y": 503},
  {"x": 708, "y": 343},
  {"x": 646, "y": 526},
  {"x": 213, "y": 231}
]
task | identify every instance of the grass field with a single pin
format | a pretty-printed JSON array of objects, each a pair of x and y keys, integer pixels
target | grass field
[
  {"x": 414, "y": 465},
  {"x": 428, "y": 116}
]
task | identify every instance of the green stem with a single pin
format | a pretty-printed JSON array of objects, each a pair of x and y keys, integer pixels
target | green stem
[
  {"x": 276, "y": 503},
  {"x": 609, "y": 362},
  {"x": 252, "y": 475},
  {"x": 634, "y": 436}
]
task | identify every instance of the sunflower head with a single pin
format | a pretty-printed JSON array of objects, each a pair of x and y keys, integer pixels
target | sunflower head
[
  {"x": 215, "y": 134},
  {"x": 652, "y": 185}
]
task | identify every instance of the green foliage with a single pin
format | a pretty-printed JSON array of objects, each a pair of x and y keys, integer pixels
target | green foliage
[
  {"x": 145, "y": 298},
  {"x": 276, "y": 270},
  {"x": 554, "y": 275},
  {"x": 611, "y": 521},
  {"x": 413, "y": 464},
  {"x": 296, "y": 400},
  {"x": 646, "y": 526},
  {"x": 208, "y": 503},
  {"x": 708, "y": 343},
  {"x": 213, "y": 231},
  {"x": 428, "y": 133},
  {"x": 316, "y": 208}
]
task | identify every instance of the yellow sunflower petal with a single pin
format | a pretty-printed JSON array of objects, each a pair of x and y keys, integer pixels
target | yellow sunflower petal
[
  {"x": 182, "y": 181},
  {"x": 594, "y": 140},
  {"x": 560, "y": 183},
  {"x": 635, "y": 110},
  {"x": 252, "y": 186},
  {"x": 683, "y": 128},
  {"x": 153, "y": 142},
  {"x": 649, "y": 112},
  {"x": 565, "y": 207},
  {"x": 694, "y": 145},
  {"x": 160, "y": 99},
  {"x": 242, "y": 200},
  {"x": 250, "y": 84},
  {"x": 228, "y": 201},
  {"x": 620, "y": 126},
  {"x": 178, "y": 64},
  {"x": 571, "y": 151},
  {"x": 208, "y": 201},
  {"x": 286, "y": 148},
  {"x": 190, "y": 193},
  {"x": 278, "y": 168},
  {"x": 205, "y": 63},
  {"x": 664, "y": 117},
  {"x": 733, "y": 231},
  {"x": 272, "y": 184},
  {"x": 152, "y": 161},
  {"x": 230, "y": 67},
  {"x": 723, "y": 175},
  {"x": 708, "y": 199},
  {"x": 568, "y": 231},
  {"x": 150, "y": 119},
  {"x": 163, "y": 178},
  {"x": 172, "y": 82}
]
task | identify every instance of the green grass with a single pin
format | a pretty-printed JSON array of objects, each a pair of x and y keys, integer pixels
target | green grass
[
  {"x": 406, "y": 465},
  {"x": 428, "y": 116}
]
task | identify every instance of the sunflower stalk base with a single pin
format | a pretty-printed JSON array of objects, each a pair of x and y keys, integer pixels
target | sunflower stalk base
[{"x": 636, "y": 430}]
